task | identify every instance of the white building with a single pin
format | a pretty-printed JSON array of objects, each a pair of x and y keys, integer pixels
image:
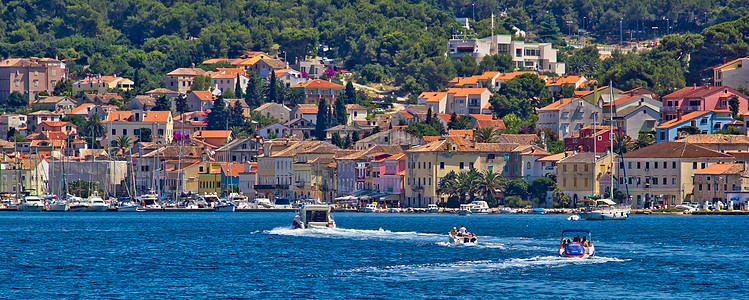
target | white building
[
  {"x": 732, "y": 74},
  {"x": 535, "y": 56}
]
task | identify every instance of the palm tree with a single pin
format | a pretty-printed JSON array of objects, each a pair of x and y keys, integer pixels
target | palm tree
[
  {"x": 488, "y": 183},
  {"x": 465, "y": 186},
  {"x": 93, "y": 127},
  {"x": 123, "y": 142},
  {"x": 448, "y": 185},
  {"x": 485, "y": 135}
]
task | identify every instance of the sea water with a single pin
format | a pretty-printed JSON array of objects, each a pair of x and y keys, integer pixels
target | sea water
[{"x": 257, "y": 255}]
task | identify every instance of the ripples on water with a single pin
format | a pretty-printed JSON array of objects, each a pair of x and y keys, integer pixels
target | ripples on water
[{"x": 257, "y": 255}]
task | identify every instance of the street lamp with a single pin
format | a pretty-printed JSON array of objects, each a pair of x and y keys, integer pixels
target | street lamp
[{"x": 620, "y": 32}]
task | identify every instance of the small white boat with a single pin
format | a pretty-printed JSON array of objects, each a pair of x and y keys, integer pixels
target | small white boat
[
  {"x": 508, "y": 210},
  {"x": 370, "y": 208},
  {"x": 462, "y": 239},
  {"x": 224, "y": 206},
  {"x": 129, "y": 207},
  {"x": 260, "y": 203},
  {"x": 96, "y": 203},
  {"x": 314, "y": 216},
  {"x": 465, "y": 210},
  {"x": 433, "y": 208},
  {"x": 604, "y": 209},
  {"x": 58, "y": 205},
  {"x": 573, "y": 218},
  {"x": 576, "y": 247},
  {"x": 394, "y": 210},
  {"x": 479, "y": 207},
  {"x": 77, "y": 204},
  {"x": 31, "y": 204}
]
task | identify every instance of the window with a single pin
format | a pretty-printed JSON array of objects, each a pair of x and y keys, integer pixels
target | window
[
  {"x": 629, "y": 165},
  {"x": 700, "y": 186},
  {"x": 665, "y": 165},
  {"x": 673, "y": 180},
  {"x": 665, "y": 180},
  {"x": 638, "y": 165},
  {"x": 708, "y": 187},
  {"x": 470, "y": 165},
  {"x": 505, "y": 169},
  {"x": 655, "y": 165},
  {"x": 442, "y": 165},
  {"x": 694, "y": 166},
  {"x": 673, "y": 165},
  {"x": 528, "y": 165},
  {"x": 136, "y": 131},
  {"x": 491, "y": 156},
  {"x": 430, "y": 165},
  {"x": 519, "y": 52},
  {"x": 460, "y": 165},
  {"x": 702, "y": 166},
  {"x": 114, "y": 131},
  {"x": 507, "y": 156},
  {"x": 124, "y": 131}
]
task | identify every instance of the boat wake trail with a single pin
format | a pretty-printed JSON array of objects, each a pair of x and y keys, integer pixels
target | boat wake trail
[
  {"x": 465, "y": 268},
  {"x": 359, "y": 234}
]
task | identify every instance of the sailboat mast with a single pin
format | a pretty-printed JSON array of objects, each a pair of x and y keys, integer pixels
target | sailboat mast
[
  {"x": 595, "y": 153},
  {"x": 612, "y": 109}
]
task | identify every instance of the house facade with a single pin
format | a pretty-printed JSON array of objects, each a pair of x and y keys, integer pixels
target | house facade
[
  {"x": 568, "y": 115},
  {"x": 706, "y": 121},
  {"x": 700, "y": 98},
  {"x": 180, "y": 80},
  {"x": 535, "y": 56},
  {"x": 732, "y": 74},
  {"x": 30, "y": 76}
]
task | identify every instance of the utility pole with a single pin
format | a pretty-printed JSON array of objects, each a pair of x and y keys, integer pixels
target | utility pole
[
  {"x": 620, "y": 32},
  {"x": 473, "y": 9}
]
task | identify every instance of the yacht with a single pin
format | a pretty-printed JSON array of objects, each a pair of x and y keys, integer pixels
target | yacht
[
  {"x": 394, "y": 210},
  {"x": 260, "y": 203},
  {"x": 224, "y": 206},
  {"x": 31, "y": 203},
  {"x": 371, "y": 207},
  {"x": 150, "y": 200},
  {"x": 465, "y": 210},
  {"x": 433, "y": 208},
  {"x": 576, "y": 247},
  {"x": 604, "y": 209},
  {"x": 314, "y": 216},
  {"x": 96, "y": 203},
  {"x": 129, "y": 206},
  {"x": 479, "y": 207},
  {"x": 76, "y": 204},
  {"x": 58, "y": 205}
]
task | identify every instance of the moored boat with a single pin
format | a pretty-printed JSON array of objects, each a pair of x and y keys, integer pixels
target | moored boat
[
  {"x": 465, "y": 210},
  {"x": 539, "y": 211},
  {"x": 433, "y": 208},
  {"x": 314, "y": 216},
  {"x": 96, "y": 203},
  {"x": 31, "y": 204},
  {"x": 224, "y": 206},
  {"x": 576, "y": 247},
  {"x": 394, "y": 210},
  {"x": 479, "y": 207},
  {"x": 370, "y": 208},
  {"x": 508, "y": 210},
  {"x": 604, "y": 209}
]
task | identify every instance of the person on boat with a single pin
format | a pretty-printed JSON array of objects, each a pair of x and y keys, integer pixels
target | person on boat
[
  {"x": 576, "y": 239},
  {"x": 585, "y": 242},
  {"x": 463, "y": 230},
  {"x": 454, "y": 232}
]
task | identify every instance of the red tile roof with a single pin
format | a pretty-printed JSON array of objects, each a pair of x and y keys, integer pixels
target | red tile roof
[{"x": 317, "y": 83}]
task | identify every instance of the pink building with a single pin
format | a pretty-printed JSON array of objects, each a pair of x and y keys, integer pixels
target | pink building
[
  {"x": 700, "y": 98},
  {"x": 392, "y": 170},
  {"x": 30, "y": 76}
]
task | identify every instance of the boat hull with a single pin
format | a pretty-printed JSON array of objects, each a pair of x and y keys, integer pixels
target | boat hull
[
  {"x": 128, "y": 208},
  {"x": 98, "y": 208},
  {"x": 464, "y": 212},
  {"x": 462, "y": 239},
  {"x": 603, "y": 215},
  {"x": 224, "y": 208},
  {"x": 30, "y": 208},
  {"x": 58, "y": 207},
  {"x": 368, "y": 210},
  {"x": 589, "y": 253}
]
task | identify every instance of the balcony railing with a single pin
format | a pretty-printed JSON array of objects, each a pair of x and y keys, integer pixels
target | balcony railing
[{"x": 684, "y": 109}]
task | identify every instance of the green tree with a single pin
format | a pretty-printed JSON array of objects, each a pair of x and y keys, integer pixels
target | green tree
[
  {"x": 540, "y": 186},
  {"x": 322, "y": 120},
  {"x": 84, "y": 188},
  {"x": 690, "y": 130},
  {"x": 123, "y": 143},
  {"x": 16, "y": 100},
  {"x": 63, "y": 88},
  {"x": 518, "y": 187},
  {"x": 355, "y": 137},
  {"x": 272, "y": 88},
  {"x": 462, "y": 122},
  {"x": 733, "y": 103},
  {"x": 162, "y": 104},
  {"x": 341, "y": 116},
  {"x": 350, "y": 93},
  {"x": 228, "y": 94},
  {"x": 238, "y": 88},
  {"x": 466, "y": 66},
  {"x": 93, "y": 127},
  {"x": 218, "y": 117},
  {"x": 487, "y": 184},
  {"x": 201, "y": 83},
  {"x": 336, "y": 140},
  {"x": 253, "y": 94},
  {"x": 180, "y": 104},
  {"x": 486, "y": 135},
  {"x": 500, "y": 62},
  {"x": 145, "y": 136}
]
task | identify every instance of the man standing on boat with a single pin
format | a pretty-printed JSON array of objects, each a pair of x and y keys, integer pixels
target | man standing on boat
[{"x": 463, "y": 230}]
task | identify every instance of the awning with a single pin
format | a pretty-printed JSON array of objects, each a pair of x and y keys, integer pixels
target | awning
[
  {"x": 392, "y": 197},
  {"x": 607, "y": 201},
  {"x": 734, "y": 198}
]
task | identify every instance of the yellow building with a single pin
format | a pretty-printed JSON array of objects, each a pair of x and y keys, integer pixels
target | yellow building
[
  {"x": 247, "y": 63},
  {"x": 309, "y": 165},
  {"x": 427, "y": 164},
  {"x": 209, "y": 179},
  {"x": 576, "y": 177},
  {"x": 101, "y": 85}
]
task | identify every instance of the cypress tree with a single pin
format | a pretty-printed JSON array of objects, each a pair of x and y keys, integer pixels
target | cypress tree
[{"x": 321, "y": 120}]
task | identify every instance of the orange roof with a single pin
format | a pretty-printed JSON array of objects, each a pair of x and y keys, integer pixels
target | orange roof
[
  {"x": 212, "y": 134},
  {"x": 431, "y": 138},
  {"x": 463, "y": 92},
  {"x": 156, "y": 116},
  {"x": 223, "y": 76},
  {"x": 433, "y": 96},
  {"x": 582, "y": 93},
  {"x": 214, "y": 61},
  {"x": 684, "y": 118},
  {"x": 317, "y": 83},
  {"x": 118, "y": 115},
  {"x": 234, "y": 71},
  {"x": 308, "y": 110},
  {"x": 204, "y": 95},
  {"x": 232, "y": 170},
  {"x": 464, "y": 133},
  {"x": 511, "y": 75},
  {"x": 55, "y": 135},
  {"x": 621, "y": 100},
  {"x": 730, "y": 63},
  {"x": 401, "y": 173},
  {"x": 487, "y": 106},
  {"x": 557, "y": 104},
  {"x": 482, "y": 117},
  {"x": 405, "y": 113},
  {"x": 496, "y": 124},
  {"x": 563, "y": 80},
  {"x": 80, "y": 108},
  {"x": 399, "y": 156},
  {"x": 445, "y": 117},
  {"x": 716, "y": 169}
]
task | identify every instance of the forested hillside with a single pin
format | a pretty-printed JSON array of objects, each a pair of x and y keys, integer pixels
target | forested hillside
[{"x": 402, "y": 41}]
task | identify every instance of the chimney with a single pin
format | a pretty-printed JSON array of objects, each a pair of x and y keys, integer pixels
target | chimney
[{"x": 678, "y": 113}]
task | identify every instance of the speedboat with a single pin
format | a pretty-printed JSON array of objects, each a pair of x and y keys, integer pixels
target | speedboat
[
  {"x": 370, "y": 208},
  {"x": 31, "y": 203},
  {"x": 576, "y": 247},
  {"x": 224, "y": 206},
  {"x": 128, "y": 206},
  {"x": 479, "y": 207},
  {"x": 508, "y": 210},
  {"x": 604, "y": 209},
  {"x": 77, "y": 204},
  {"x": 96, "y": 203},
  {"x": 573, "y": 218},
  {"x": 58, "y": 205},
  {"x": 465, "y": 210},
  {"x": 432, "y": 208},
  {"x": 462, "y": 239},
  {"x": 314, "y": 216}
]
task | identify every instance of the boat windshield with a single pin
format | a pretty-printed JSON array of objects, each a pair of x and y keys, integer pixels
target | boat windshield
[{"x": 317, "y": 216}]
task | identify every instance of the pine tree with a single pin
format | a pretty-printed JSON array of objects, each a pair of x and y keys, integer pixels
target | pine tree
[
  {"x": 238, "y": 88},
  {"x": 320, "y": 126},
  {"x": 350, "y": 93},
  {"x": 453, "y": 118},
  {"x": 340, "y": 112},
  {"x": 218, "y": 115},
  {"x": 272, "y": 88},
  {"x": 429, "y": 115}
]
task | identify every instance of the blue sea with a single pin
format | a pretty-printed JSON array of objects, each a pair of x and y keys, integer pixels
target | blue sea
[{"x": 382, "y": 256}]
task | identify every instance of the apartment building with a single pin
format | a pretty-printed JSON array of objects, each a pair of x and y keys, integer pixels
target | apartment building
[{"x": 30, "y": 76}]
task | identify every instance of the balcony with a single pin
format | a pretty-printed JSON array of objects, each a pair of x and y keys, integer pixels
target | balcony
[
  {"x": 684, "y": 109},
  {"x": 417, "y": 187},
  {"x": 300, "y": 183},
  {"x": 272, "y": 186}
]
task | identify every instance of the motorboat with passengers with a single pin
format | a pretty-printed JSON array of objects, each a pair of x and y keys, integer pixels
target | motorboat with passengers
[
  {"x": 314, "y": 216},
  {"x": 462, "y": 236},
  {"x": 603, "y": 209},
  {"x": 572, "y": 245}
]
